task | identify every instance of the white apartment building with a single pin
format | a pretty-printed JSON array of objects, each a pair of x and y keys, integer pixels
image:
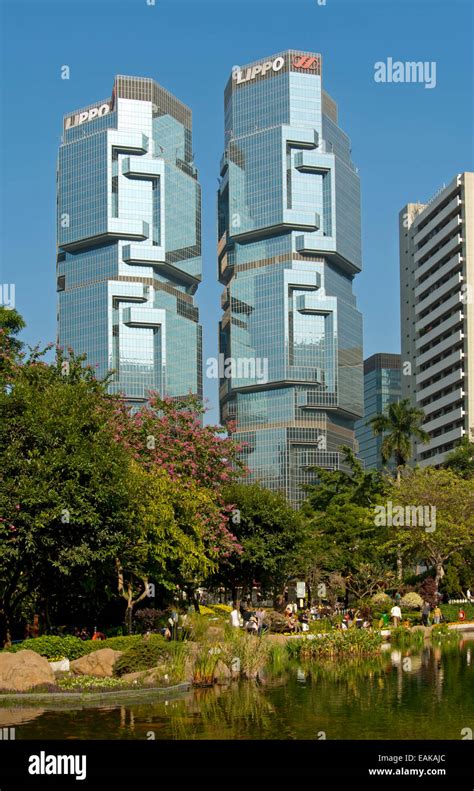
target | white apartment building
[{"x": 437, "y": 314}]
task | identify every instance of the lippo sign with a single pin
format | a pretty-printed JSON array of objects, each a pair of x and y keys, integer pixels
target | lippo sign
[
  {"x": 259, "y": 70},
  {"x": 87, "y": 115}
]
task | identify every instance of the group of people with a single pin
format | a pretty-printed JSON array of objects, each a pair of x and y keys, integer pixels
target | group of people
[
  {"x": 84, "y": 634},
  {"x": 250, "y": 620}
]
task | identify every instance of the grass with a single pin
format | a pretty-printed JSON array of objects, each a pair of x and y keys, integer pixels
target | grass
[
  {"x": 353, "y": 642},
  {"x": 441, "y": 634},
  {"x": 407, "y": 638}
]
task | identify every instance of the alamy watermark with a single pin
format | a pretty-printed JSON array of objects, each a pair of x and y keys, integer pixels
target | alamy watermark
[
  {"x": 390, "y": 515},
  {"x": 222, "y": 367},
  {"x": 406, "y": 71},
  {"x": 7, "y": 296}
]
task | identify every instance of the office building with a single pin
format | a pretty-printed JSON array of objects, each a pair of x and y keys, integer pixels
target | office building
[
  {"x": 289, "y": 247},
  {"x": 382, "y": 386},
  {"x": 437, "y": 314},
  {"x": 129, "y": 241}
]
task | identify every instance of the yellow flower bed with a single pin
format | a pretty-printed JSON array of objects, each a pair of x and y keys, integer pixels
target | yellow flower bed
[{"x": 203, "y": 610}]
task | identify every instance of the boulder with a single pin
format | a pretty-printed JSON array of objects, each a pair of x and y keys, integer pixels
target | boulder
[
  {"x": 222, "y": 674},
  {"x": 23, "y": 670},
  {"x": 97, "y": 663}
]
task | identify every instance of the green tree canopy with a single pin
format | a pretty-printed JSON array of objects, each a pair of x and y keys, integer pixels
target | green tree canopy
[
  {"x": 270, "y": 532},
  {"x": 461, "y": 459},
  {"x": 436, "y": 540}
]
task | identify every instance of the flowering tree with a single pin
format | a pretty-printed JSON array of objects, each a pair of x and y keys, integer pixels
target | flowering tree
[
  {"x": 168, "y": 434},
  {"x": 91, "y": 492}
]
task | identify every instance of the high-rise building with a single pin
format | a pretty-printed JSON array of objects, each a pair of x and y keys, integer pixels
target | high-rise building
[
  {"x": 382, "y": 386},
  {"x": 129, "y": 241},
  {"x": 437, "y": 314},
  {"x": 289, "y": 246}
]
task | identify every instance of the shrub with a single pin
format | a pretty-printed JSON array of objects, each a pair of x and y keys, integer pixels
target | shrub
[
  {"x": 382, "y": 601},
  {"x": 221, "y": 609},
  {"x": 428, "y": 591},
  {"x": 275, "y": 621},
  {"x": 148, "y": 619},
  {"x": 203, "y": 610},
  {"x": 412, "y": 601},
  {"x": 450, "y": 611},
  {"x": 321, "y": 625},
  {"x": 51, "y": 646},
  {"x": 143, "y": 656}
]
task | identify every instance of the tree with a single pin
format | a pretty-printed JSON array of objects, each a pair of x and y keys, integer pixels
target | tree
[
  {"x": 437, "y": 539},
  {"x": 270, "y": 533},
  {"x": 92, "y": 492},
  {"x": 168, "y": 434},
  {"x": 398, "y": 426},
  {"x": 66, "y": 483},
  {"x": 340, "y": 509},
  {"x": 461, "y": 459},
  {"x": 165, "y": 545},
  {"x": 358, "y": 486},
  {"x": 369, "y": 578},
  {"x": 11, "y": 323}
]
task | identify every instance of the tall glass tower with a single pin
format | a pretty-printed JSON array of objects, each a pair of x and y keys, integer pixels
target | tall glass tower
[
  {"x": 289, "y": 246},
  {"x": 129, "y": 241},
  {"x": 382, "y": 387}
]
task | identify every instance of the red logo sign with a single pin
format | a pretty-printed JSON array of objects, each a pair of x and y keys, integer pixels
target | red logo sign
[{"x": 307, "y": 62}]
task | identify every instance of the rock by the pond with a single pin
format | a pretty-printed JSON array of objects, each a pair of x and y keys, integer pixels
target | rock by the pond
[
  {"x": 222, "y": 674},
  {"x": 97, "y": 663},
  {"x": 23, "y": 670}
]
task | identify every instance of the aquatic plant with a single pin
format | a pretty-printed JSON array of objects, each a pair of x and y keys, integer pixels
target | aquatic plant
[{"x": 407, "y": 638}]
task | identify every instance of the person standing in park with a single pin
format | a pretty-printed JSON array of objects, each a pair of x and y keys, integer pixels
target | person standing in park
[
  {"x": 235, "y": 616},
  {"x": 396, "y": 614},
  {"x": 437, "y": 614},
  {"x": 425, "y": 614},
  {"x": 260, "y": 616}
]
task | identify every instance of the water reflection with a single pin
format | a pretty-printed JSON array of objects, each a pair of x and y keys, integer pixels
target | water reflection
[{"x": 401, "y": 694}]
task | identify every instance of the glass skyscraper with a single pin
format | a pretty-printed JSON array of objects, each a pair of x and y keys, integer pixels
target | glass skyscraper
[
  {"x": 129, "y": 241},
  {"x": 289, "y": 246},
  {"x": 382, "y": 386}
]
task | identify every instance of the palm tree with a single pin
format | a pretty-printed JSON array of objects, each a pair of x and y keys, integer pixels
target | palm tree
[{"x": 398, "y": 426}]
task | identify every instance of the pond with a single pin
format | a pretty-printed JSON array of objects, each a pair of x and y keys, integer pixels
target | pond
[{"x": 420, "y": 694}]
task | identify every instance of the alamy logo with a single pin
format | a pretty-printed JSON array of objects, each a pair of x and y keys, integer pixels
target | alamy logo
[
  {"x": 254, "y": 368},
  {"x": 390, "y": 515},
  {"x": 406, "y": 71},
  {"x": 43, "y": 764},
  {"x": 7, "y": 295}
]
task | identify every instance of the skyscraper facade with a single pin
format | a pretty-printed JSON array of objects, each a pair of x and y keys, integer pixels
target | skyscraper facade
[
  {"x": 437, "y": 314},
  {"x": 129, "y": 241},
  {"x": 289, "y": 247},
  {"x": 382, "y": 386}
]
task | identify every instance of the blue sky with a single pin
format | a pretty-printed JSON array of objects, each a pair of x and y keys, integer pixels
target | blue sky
[{"x": 406, "y": 140}]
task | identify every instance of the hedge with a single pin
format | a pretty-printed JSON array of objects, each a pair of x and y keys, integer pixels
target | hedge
[
  {"x": 450, "y": 611},
  {"x": 73, "y": 647}
]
